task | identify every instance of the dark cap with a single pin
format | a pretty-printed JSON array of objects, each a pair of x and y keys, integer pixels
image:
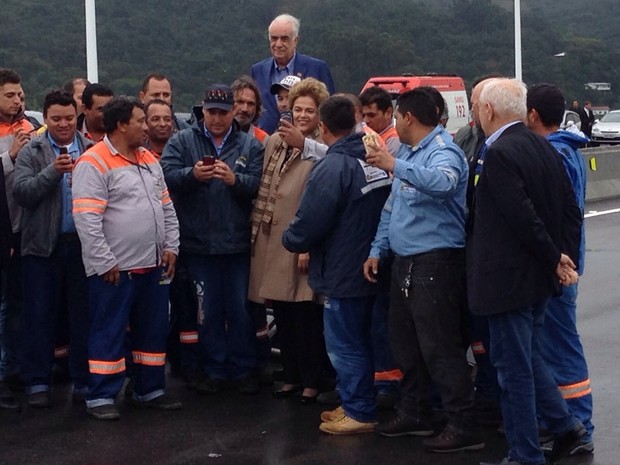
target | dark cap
[
  {"x": 286, "y": 83},
  {"x": 218, "y": 96},
  {"x": 548, "y": 101}
]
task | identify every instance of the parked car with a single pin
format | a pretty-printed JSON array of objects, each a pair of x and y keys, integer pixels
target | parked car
[
  {"x": 571, "y": 118},
  {"x": 607, "y": 129}
]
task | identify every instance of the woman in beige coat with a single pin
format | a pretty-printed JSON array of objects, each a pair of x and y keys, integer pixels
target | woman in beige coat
[{"x": 277, "y": 275}]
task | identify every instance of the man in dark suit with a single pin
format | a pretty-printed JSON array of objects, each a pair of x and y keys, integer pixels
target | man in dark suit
[
  {"x": 284, "y": 61},
  {"x": 524, "y": 227},
  {"x": 587, "y": 120}
]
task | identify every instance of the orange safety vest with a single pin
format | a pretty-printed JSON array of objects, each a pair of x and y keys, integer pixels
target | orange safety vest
[
  {"x": 7, "y": 129},
  {"x": 260, "y": 134}
]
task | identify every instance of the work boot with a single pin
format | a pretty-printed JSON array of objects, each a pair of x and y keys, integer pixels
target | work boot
[
  {"x": 402, "y": 425},
  {"x": 332, "y": 415},
  {"x": 104, "y": 412},
  {"x": 163, "y": 402},
  {"x": 347, "y": 425},
  {"x": 453, "y": 439}
]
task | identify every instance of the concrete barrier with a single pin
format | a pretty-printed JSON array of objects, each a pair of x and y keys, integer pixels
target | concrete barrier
[{"x": 603, "y": 172}]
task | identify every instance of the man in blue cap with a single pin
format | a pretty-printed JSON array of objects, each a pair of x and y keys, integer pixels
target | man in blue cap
[{"x": 213, "y": 170}]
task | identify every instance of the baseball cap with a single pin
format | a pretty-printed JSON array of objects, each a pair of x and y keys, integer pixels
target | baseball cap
[
  {"x": 548, "y": 101},
  {"x": 286, "y": 83},
  {"x": 218, "y": 96}
]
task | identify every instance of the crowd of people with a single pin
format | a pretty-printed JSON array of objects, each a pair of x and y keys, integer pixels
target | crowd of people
[{"x": 385, "y": 247}]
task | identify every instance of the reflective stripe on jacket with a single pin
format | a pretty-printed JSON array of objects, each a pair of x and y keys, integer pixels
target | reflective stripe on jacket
[{"x": 122, "y": 210}]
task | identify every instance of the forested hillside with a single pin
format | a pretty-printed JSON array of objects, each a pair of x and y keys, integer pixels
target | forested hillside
[{"x": 201, "y": 42}]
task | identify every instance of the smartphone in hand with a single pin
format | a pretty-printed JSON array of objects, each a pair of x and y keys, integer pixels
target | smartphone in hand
[
  {"x": 208, "y": 161},
  {"x": 287, "y": 116}
]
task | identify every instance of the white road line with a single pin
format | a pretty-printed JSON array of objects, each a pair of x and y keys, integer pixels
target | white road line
[{"x": 604, "y": 212}]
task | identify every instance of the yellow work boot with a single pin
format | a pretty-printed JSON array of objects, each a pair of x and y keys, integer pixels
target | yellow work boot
[
  {"x": 332, "y": 415},
  {"x": 347, "y": 425}
]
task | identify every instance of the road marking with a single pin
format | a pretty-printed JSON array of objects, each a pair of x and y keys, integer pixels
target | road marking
[{"x": 593, "y": 213}]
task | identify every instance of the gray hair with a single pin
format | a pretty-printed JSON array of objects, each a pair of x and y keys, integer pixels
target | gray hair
[
  {"x": 294, "y": 22},
  {"x": 508, "y": 97}
]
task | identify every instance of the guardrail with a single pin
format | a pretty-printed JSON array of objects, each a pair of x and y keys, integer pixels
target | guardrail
[{"x": 603, "y": 176}]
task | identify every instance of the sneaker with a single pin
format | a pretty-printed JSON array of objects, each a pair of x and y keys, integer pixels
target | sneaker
[
  {"x": 583, "y": 448},
  {"x": 329, "y": 398},
  {"x": 401, "y": 425},
  {"x": 209, "y": 386},
  {"x": 104, "y": 412},
  {"x": 40, "y": 400},
  {"x": 564, "y": 444},
  {"x": 332, "y": 415},
  {"x": 248, "y": 385},
  {"x": 452, "y": 439},
  {"x": 347, "y": 425},
  {"x": 163, "y": 402}
]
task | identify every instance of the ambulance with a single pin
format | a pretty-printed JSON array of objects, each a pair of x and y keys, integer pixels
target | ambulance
[{"x": 451, "y": 87}]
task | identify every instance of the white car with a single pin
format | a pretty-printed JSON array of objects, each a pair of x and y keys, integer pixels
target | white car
[{"x": 607, "y": 129}]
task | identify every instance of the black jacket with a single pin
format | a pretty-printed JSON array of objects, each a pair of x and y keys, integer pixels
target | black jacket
[
  {"x": 213, "y": 218},
  {"x": 524, "y": 215},
  {"x": 337, "y": 220}
]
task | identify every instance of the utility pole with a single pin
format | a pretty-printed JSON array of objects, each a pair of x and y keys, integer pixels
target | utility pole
[
  {"x": 92, "y": 68},
  {"x": 518, "y": 68}
]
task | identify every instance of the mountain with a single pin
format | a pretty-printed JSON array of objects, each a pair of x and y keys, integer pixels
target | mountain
[{"x": 197, "y": 43}]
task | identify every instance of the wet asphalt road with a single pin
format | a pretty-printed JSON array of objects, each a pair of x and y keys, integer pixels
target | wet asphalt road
[{"x": 229, "y": 428}]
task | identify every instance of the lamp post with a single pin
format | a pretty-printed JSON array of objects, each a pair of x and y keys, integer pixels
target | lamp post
[
  {"x": 518, "y": 68},
  {"x": 92, "y": 68}
]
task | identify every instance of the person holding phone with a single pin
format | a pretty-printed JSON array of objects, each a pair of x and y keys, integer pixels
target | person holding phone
[
  {"x": 277, "y": 275},
  {"x": 14, "y": 134},
  {"x": 213, "y": 170},
  {"x": 51, "y": 253}
]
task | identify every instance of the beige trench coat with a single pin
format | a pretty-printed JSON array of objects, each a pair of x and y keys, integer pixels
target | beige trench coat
[{"x": 273, "y": 271}]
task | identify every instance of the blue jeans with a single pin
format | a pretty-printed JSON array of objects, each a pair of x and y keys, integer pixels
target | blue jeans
[
  {"x": 563, "y": 353},
  {"x": 528, "y": 389},
  {"x": 349, "y": 347},
  {"x": 141, "y": 302},
  {"x": 227, "y": 334},
  {"x": 52, "y": 286}
]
